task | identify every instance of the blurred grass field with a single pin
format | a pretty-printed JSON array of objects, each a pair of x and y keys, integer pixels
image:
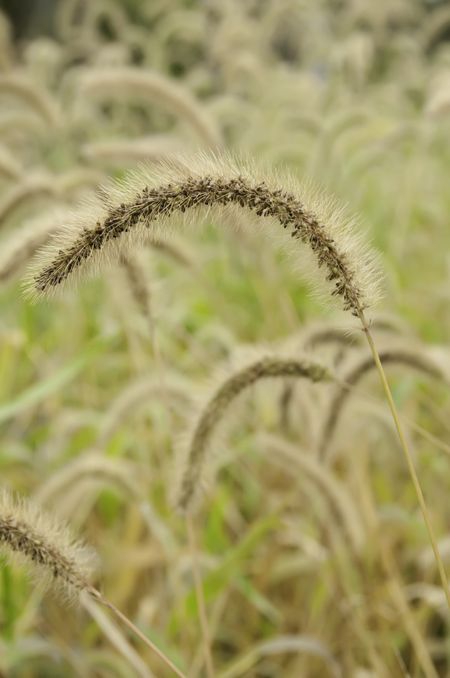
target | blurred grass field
[{"x": 355, "y": 95}]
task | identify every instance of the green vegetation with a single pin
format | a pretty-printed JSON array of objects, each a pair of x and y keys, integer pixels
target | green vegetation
[{"x": 307, "y": 553}]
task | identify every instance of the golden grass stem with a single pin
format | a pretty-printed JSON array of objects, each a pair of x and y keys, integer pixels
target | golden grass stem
[
  {"x": 127, "y": 622},
  {"x": 206, "y": 640},
  {"x": 116, "y": 637},
  {"x": 408, "y": 457}
]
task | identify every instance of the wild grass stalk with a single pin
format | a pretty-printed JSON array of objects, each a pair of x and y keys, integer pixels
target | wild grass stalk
[
  {"x": 189, "y": 189},
  {"x": 408, "y": 458},
  {"x": 211, "y": 184}
]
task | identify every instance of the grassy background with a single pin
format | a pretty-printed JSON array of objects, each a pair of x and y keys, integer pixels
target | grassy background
[{"x": 356, "y": 95}]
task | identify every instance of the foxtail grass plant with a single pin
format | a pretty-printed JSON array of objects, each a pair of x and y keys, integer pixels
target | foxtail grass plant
[
  {"x": 188, "y": 189},
  {"x": 55, "y": 558}
]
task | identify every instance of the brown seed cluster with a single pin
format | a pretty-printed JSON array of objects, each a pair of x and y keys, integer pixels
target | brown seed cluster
[{"x": 156, "y": 203}]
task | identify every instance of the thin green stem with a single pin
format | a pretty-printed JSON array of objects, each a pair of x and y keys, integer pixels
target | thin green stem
[{"x": 408, "y": 457}]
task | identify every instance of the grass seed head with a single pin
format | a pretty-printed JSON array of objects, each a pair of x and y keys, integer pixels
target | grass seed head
[
  {"x": 186, "y": 191},
  {"x": 38, "y": 541}
]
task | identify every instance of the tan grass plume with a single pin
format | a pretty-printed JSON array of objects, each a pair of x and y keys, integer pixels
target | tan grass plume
[{"x": 187, "y": 190}]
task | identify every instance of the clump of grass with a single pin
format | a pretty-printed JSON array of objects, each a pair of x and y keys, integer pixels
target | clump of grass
[
  {"x": 218, "y": 402},
  {"x": 195, "y": 187}
]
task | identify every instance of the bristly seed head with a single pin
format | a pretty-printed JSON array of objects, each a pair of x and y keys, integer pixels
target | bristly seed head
[
  {"x": 220, "y": 186},
  {"x": 27, "y": 535}
]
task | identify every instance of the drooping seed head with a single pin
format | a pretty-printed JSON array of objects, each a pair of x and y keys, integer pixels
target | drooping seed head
[{"x": 187, "y": 190}]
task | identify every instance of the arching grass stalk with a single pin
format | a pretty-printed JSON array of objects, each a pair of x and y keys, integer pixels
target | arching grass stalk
[{"x": 408, "y": 457}]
